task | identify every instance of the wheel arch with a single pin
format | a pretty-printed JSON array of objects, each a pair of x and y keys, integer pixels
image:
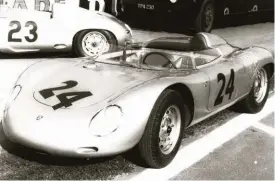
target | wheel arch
[
  {"x": 269, "y": 67},
  {"x": 187, "y": 95}
]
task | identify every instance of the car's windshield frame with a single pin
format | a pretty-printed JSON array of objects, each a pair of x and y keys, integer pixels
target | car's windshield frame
[{"x": 108, "y": 58}]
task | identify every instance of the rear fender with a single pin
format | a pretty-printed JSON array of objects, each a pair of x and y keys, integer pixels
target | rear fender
[{"x": 254, "y": 58}]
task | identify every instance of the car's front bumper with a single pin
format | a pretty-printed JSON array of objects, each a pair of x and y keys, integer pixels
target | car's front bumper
[{"x": 65, "y": 139}]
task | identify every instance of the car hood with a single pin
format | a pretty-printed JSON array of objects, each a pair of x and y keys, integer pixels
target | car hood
[{"x": 57, "y": 81}]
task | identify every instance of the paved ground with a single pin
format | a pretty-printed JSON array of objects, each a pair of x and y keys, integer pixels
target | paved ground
[
  {"x": 247, "y": 155},
  {"x": 230, "y": 151}
]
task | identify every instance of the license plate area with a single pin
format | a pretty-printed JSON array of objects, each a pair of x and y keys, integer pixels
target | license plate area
[{"x": 150, "y": 7}]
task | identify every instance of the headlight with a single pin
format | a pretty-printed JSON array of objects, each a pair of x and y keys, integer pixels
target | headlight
[
  {"x": 15, "y": 92},
  {"x": 106, "y": 121}
]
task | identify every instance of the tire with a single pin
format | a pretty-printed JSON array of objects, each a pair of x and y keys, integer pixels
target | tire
[
  {"x": 252, "y": 103},
  {"x": 96, "y": 50},
  {"x": 207, "y": 12},
  {"x": 149, "y": 147}
]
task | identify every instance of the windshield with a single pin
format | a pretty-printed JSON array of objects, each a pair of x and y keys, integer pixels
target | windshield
[
  {"x": 147, "y": 58},
  {"x": 129, "y": 58}
]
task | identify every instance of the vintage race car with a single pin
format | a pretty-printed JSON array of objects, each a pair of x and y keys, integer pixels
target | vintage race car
[
  {"x": 65, "y": 28},
  {"x": 142, "y": 97}
]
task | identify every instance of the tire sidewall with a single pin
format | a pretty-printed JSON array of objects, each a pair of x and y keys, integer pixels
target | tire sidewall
[
  {"x": 199, "y": 23},
  {"x": 255, "y": 106},
  {"x": 77, "y": 43},
  {"x": 171, "y": 98}
]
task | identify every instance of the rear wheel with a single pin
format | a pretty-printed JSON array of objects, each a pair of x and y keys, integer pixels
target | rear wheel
[
  {"x": 205, "y": 19},
  {"x": 163, "y": 133},
  {"x": 93, "y": 43},
  {"x": 256, "y": 99}
]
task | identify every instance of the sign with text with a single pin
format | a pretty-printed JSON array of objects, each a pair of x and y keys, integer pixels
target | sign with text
[
  {"x": 46, "y": 5},
  {"x": 39, "y": 5}
]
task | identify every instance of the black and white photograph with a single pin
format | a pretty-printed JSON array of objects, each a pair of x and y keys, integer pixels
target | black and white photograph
[{"x": 137, "y": 90}]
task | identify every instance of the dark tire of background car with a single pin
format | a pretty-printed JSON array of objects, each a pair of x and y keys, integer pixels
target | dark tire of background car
[
  {"x": 148, "y": 146},
  {"x": 200, "y": 20},
  {"x": 249, "y": 104},
  {"x": 77, "y": 47}
]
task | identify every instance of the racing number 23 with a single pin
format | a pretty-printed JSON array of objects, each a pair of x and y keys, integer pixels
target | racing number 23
[
  {"x": 32, "y": 37},
  {"x": 229, "y": 89}
]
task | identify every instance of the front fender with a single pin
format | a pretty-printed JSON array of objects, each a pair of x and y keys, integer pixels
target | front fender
[
  {"x": 82, "y": 19},
  {"x": 137, "y": 105}
]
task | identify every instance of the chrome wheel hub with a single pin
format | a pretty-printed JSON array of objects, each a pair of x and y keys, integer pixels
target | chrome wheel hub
[
  {"x": 94, "y": 44},
  {"x": 260, "y": 85},
  {"x": 169, "y": 129}
]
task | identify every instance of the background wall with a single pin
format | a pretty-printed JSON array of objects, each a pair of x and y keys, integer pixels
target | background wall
[{"x": 42, "y": 5}]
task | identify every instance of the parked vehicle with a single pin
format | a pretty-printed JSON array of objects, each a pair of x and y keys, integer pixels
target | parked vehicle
[
  {"x": 63, "y": 29},
  {"x": 200, "y": 15},
  {"x": 144, "y": 96}
]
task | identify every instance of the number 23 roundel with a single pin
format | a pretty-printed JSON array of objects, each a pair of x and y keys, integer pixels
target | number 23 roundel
[
  {"x": 60, "y": 96},
  {"x": 28, "y": 31}
]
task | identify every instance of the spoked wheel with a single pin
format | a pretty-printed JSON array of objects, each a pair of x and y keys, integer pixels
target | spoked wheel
[
  {"x": 163, "y": 133},
  {"x": 260, "y": 86},
  {"x": 170, "y": 129},
  {"x": 256, "y": 99},
  {"x": 205, "y": 19},
  {"x": 93, "y": 43}
]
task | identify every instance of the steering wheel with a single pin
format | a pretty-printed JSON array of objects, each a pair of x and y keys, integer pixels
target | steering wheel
[{"x": 159, "y": 59}]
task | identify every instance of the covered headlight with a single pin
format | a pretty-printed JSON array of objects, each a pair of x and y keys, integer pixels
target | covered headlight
[
  {"x": 129, "y": 29},
  {"x": 15, "y": 92},
  {"x": 5, "y": 103},
  {"x": 106, "y": 121}
]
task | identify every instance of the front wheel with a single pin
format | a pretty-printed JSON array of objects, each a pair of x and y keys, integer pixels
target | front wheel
[
  {"x": 205, "y": 19},
  {"x": 92, "y": 43},
  {"x": 256, "y": 99},
  {"x": 163, "y": 133}
]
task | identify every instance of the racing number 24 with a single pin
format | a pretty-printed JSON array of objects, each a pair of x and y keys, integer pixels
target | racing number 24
[
  {"x": 66, "y": 99},
  {"x": 18, "y": 28},
  {"x": 229, "y": 89}
]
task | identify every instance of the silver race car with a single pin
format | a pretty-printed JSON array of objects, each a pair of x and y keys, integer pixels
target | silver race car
[
  {"x": 65, "y": 28},
  {"x": 142, "y": 97}
]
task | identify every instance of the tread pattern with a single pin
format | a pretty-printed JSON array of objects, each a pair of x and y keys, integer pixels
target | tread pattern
[
  {"x": 248, "y": 104},
  {"x": 148, "y": 145}
]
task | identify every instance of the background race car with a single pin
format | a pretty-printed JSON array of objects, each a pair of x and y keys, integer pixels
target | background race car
[
  {"x": 65, "y": 28},
  {"x": 198, "y": 14},
  {"x": 174, "y": 14}
]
